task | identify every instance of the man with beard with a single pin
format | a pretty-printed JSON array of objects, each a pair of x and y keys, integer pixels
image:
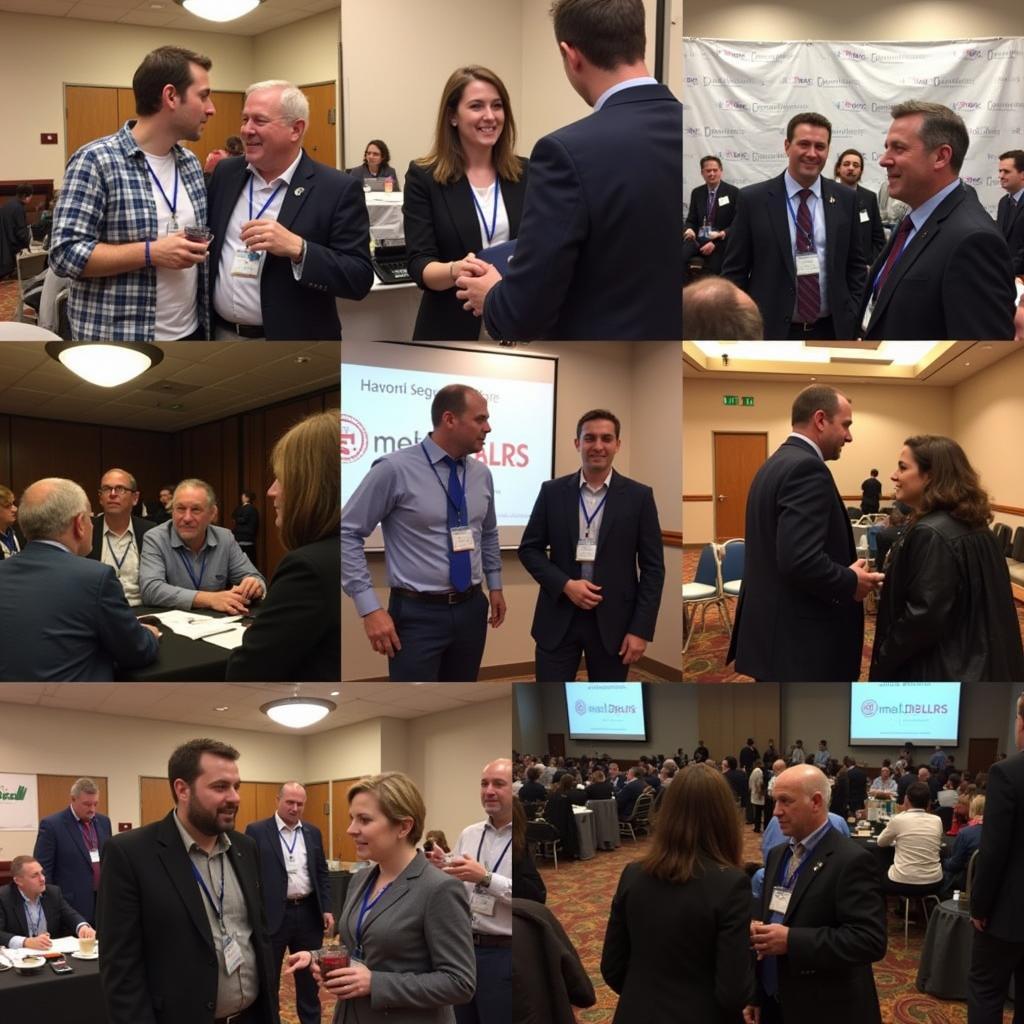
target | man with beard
[
  {"x": 848, "y": 170},
  {"x": 184, "y": 932}
]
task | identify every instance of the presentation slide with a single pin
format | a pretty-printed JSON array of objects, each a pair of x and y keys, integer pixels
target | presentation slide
[
  {"x": 386, "y": 391},
  {"x": 890, "y": 714},
  {"x": 606, "y": 711}
]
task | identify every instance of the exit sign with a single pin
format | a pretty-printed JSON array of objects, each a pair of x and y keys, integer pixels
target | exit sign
[
  {"x": 748, "y": 400},
  {"x": 730, "y": 399}
]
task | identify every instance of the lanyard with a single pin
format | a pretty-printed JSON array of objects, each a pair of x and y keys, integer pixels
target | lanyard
[
  {"x": 9, "y": 539},
  {"x": 367, "y": 906},
  {"x": 34, "y": 926},
  {"x": 113, "y": 555},
  {"x": 218, "y": 910},
  {"x": 796, "y": 224},
  {"x": 796, "y": 874},
  {"x": 263, "y": 208},
  {"x": 295, "y": 839},
  {"x": 479, "y": 850},
  {"x": 188, "y": 568},
  {"x": 458, "y": 510},
  {"x": 173, "y": 207},
  {"x": 583, "y": 508},
  {"x": 494, "y": 213}
]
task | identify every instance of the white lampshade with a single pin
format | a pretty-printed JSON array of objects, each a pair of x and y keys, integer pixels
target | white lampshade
[
  {"x": 219, "y": 10},
  {"x": 298, "y": 712},
  {"x": 106, "y": 365}
]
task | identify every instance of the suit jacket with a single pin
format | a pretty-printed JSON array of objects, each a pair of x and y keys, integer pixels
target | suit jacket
[
  {"x": 954, "y": 280},
  {"x": 1011, "y": 224},
  {"x": 760, "y": 255},
  {"x": 998, "y": 892},
  {"x": 274, "y": 875},
  {"x": 159, "y": 965},
  {"x": 629, "y": 540},
  {"x": 71, "y": 619},
  {"x": 628, "y": 795},
  {"x": 598, "y": 254},
  {"x": 61, "y": 850},
  {"x": 837, "y": 929},
  {"x": 297, "y": 632},
  {"x": 723, "y": 218},
  {"x": 441, "y": 224},
  {"x": 641, "y": 960},
  {"x": 418, "y": 940},
  {"x": 324, "y": 206},
  {"x": 796, "y": 620},
  {"x": 140, "y": 527},
  {"x": 61, "y": 918},
  {"x": 14, "y": 234},
  {"x": 19, "y": 543},
  {"x": 872, "y": 234}
]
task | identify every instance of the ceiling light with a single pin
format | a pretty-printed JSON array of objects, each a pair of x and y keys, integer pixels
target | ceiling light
[
  {"x": 298, "y": 712},
  {"x": 219, "y": 10},
  {"x": 223, "y": 707},
  {"x": 106, "y": 364}
]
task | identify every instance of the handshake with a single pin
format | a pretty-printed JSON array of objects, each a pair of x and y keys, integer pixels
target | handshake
[{"x": 867, "y": 582}]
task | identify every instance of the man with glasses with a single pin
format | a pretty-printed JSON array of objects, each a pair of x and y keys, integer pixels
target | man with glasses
[{"x": 117, "y": 532}]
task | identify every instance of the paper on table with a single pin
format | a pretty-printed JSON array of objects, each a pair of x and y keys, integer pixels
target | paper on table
[
  {"x": 194, "y": 625},
  {"x": 230, "y": 639},
  {"x": 69, "y": 944}
]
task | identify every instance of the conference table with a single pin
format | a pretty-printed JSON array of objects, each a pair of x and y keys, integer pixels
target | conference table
[
  {"x": 606, "y": 823},
  {"x": 48, "y": 998},
  {"x": 181, "y": 659},
  {"x": 584, "y": 818}
]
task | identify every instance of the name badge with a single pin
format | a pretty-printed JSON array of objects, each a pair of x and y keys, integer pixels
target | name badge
[
  {"x": 291, "y": 866},
  {"x": 867, "y": 314},
  {"x": 807, "y": 264},
  {"x": 723, "y": 200},
  {"x": 482, "y": 903},
  {"x": 94, "y": 856},
  {"x": 246, "y": 264},
  {"x": 586, "y": 551},
  {"x": 232, "y": 954},
  {"x": 462, "y": 538},
  {"x": 780, "y": 900},
  {"x": 172, "y": 226},
  {"x": 864, "y": 218}
]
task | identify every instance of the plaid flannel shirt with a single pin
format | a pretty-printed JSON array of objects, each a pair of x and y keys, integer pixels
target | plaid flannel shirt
[{"x": 107, "y": 196}]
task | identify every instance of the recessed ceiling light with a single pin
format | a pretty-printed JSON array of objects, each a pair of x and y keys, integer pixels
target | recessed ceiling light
[
  {"x": 223, "y": 707},
  {"x": 299, "y": 360},
  {"x": 335, "y": 693}
]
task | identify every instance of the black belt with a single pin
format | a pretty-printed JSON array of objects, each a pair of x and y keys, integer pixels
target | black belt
[
  {"x": 234, "y": 1018},
  {"x": 296, "y": 900},
  {"x": 442, "y": 597},
  {"x": 243, "y": 330},
  {"x": 501, "y": 941}
]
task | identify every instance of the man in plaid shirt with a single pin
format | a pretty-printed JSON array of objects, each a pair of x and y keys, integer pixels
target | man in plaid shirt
[{"x": 128, "y": 204}]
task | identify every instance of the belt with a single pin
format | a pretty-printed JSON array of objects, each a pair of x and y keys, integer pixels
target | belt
[
  {"x": 234, "y": 1018},
  {"x": 808, "y": 326},
  {"x": 295, "y": 900},
  {"x": 501, "y": 941},
  {"x": 243, "y": 330},
  {"x": 441, "y": 597}
]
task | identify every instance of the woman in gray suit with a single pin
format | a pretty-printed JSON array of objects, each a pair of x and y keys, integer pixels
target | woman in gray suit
[{"x": 406, "y": 924}]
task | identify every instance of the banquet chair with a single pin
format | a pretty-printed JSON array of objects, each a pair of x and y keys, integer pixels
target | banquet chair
[
  {"x": 544, "y": 837},
  {"x": 705, "y": 590},
  {"x": 639, "y": 819}
]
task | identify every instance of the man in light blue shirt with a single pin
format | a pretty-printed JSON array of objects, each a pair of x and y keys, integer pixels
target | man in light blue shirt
[
  {"x": 435, "y": 507},
  {"x": 188, "y": 563},
  {"x": 822, "y": 756},
  {"x": 32, "y": 915}
]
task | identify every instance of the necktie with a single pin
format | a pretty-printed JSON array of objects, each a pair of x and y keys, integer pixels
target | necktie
[
  {"x": 89, "y": 835},
  {"x": 794, "y": 863},
  {"x": 894, "y": 253},
  {"x": 711, "y": 206},
  {"x": 769, "y": 966},
  {"x": 458, "y": 561},
  {"x": 808, "y": 288}
]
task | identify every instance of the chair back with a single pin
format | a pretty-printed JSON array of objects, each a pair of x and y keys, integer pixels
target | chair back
[
  {"x": 642, "y": 808},
  {"x": 970, "y": 872},
  {"x": 709, "y": 569},
  {"x": 1003, "y": 535},
  {"x": 946, "y": 814},
  {"x": 534, "y": 809},
  {"x": 732, "y": 560},
  {"x": 1017, "y": 550},
  {"x": 541, "y": 831}
]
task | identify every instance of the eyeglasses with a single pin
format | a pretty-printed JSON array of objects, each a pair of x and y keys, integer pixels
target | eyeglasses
[{"x": 116, "y": 489}]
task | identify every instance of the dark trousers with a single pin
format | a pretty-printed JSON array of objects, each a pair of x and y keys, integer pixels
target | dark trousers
[
  {"x": 760, "y": 817},
  {"x": 993, "y": 962},
  {"x": 441, "y": 643},
  {"x": 560, "y": 664},
  {"x": 821, "y": 331},
  {"x": 302, "y": 928},
  {"x": 492, "y": 1002}
]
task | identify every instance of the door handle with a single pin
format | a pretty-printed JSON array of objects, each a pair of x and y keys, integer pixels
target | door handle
[{"x": 721, "y": 497}]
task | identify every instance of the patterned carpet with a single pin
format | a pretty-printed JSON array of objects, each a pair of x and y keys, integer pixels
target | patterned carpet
[
  {"x": 8, "y": 298},
  {"x": 580, "y": 893}
]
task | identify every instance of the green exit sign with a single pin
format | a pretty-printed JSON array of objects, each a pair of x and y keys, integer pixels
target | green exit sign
[
  {"x": 730, "y": 399},
  {"x": 748, "y": 400}
]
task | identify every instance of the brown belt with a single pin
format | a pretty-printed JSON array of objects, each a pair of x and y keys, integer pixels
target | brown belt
[{"x": 442, "y": 597}]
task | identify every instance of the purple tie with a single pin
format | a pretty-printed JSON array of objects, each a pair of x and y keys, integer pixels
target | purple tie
[
  {"x": 808, "y": 289},
  {"x": 894, "y": 253}
]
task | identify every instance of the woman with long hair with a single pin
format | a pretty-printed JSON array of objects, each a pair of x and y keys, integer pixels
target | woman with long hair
[
  {"x": 297, "y": 632},
  {"x": 376, "y": 164},
  {"x": 947, "y": 609},
  {"x": 691, "y": 874},
  {"x": 465, "y": 195}
]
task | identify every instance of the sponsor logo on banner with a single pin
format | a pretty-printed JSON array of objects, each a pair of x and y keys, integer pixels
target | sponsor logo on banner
[
  {"x": 712, "y": 80},
  {"x": 849, "y": 105},
  {"x": 721, "y": 133},
  {"x": 987, "y": 131},
  {"x": 972, "y": 53},
  {"x": 800, "y": 80},
  {"x": 19, "y": 803},
  {"x": 848, "y": 133},
  {"x": 736, "y": 154},
  {"x": 966, "y": 105},
  {"x": 1004, "y": 105},
  {"x": 731, "y": 105},
  {"x": 848, "y": 53},
  {"x": 693, "y": 132},
  {"x": 1002, "y": 54},
  {"x": 973, "y": 181},
  {"x": 835, "y": 83},
  {"x": 952, "y": 81},
  {"x": 869, "y": 708},
  {"x": 693, "y": 79},
  {"x": 581, "y": 707}
]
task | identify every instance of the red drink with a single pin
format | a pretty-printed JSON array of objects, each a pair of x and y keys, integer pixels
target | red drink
[{"x": 332, "y": 959}]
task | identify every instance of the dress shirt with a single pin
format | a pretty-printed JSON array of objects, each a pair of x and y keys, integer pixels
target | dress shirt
[
  {"x": 403, "y": 495},
  {"x": 494, "y": 842},
  {"x": 629, "y": 83},
  {"x": 484, "y": 206},
  {"x": 889, "y": 785},
  {"x": 806, "y": 440},
  {"x": 592, "y": 497},
  {"x": 9, "y": 545},
  {"x": 917, "y": 835},
  {"x": 822, "y": 758},
  {"x": 773, "y": 834},
  {"x": 948, "y": 798},
  {"x": 113, "y": 548},
  {"x": 36, "y": 907},
  {"x": 923, "y": 212},
  {"x": 295, "y": 863},
  {"x": 793, "y": 189},
  {"x": 239, "y": 989},
  {"x": 163, "y": 579}
]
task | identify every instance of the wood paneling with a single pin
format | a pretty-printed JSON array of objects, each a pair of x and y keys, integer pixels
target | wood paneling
[
  {"x": 318, "y": 809},
  {"x": 90, "y": 112},
  {"x": 155, "y": 799},
  {"x": 5, "y": 451},
  {"x": 342, "y": 845},
  {"x": 41, "y": 448},
  {"x": 266, "y": 799},
  {"x": 147, "y": 454},
  {"x": 226, "y": 121},
  {"x": 125, "y": 106},
  {"x": 727, "y": 715},
  {"x": 320, "y": 141},
  {"x": 55, "y": 790}
]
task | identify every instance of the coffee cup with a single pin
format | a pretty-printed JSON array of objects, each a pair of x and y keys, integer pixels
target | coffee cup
[{"x": 87, "y": 945}]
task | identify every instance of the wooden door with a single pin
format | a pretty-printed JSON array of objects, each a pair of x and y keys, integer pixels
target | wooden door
[
  {"x": 90, "y": 112},
  {"x": 155, "y": 799},
  {"x": 321, "y": 132},
  {"x": 55, "y": 792},
  {"x": 125, "y": 106},
  {"x": 981, "y": 754},
  {"x": 737, "y": 458},
  {"x": 342, "y": 845},
  {"x": 318, "y": 810}
]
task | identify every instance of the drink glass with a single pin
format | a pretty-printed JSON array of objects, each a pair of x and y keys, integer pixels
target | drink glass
[
  {"x": 87, "y": 946},
  {"x": 332, "y": 958},
  {"x": 194, "y": 233}
]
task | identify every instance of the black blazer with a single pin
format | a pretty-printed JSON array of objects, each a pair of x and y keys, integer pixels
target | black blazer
[
  {"x": 140, "y": 527},
  {"x": 441, "y": 224},
  {"x": 159, "y": 964},
  {"x": 61, "y": 918},
  {"x": 324, "y": 206},
  {"x": 837, "y": 929},
  {"x": 641, "y": 961},
  {"x": 19, "y": 540},
  {"x": 61, "y": 851},
  {"x": 297, "y": 632},
  {"x": 872, "y": 234},
  {"x": 1011, "y": 224},
  {"x": 759, "y": 258},
  {"x": 630, "y": 564},
  {"x": 954, "y": 280},
  {"x": 722, "y": 221},
  {"x": 385, "y": 171},
  {"x": 796, "y": 620}
]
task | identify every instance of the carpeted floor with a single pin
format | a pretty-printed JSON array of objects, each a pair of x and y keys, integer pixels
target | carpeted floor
[
  {"x": 8, "y": 298},
  {"x": 580, "y": 893}
]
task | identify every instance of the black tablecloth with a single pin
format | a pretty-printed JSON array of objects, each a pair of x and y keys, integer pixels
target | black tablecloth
[
  {"x": 49, "y": 998},
  {"x": 946, "y": 955},
  {"x": 181, "y": 659},
  {"x": 339, "y": 889}
]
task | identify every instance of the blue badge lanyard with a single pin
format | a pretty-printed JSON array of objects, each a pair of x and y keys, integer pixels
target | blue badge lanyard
[
  {"x": 796, "y": 224},
  {"x": 463, "y": 512},
  {"x": 113, "y": 555},
  {"x": 365, "y": 907},
  {"x": 34, "y": 926},
  {"x": 796, "y": 874},
  {"x": 590, "y": 518},
  {"x": 263, "y": 208},
  {"x": 479, "y": 850},
  {"x": 9, "y": 540},
  {"x": 494, "y": 213},
  {"x": 712, "y": 196},
  {"x": 172, "y": 206},
  {"x": 899, "y": 256},
  {"x": 295, "y": 839},
  {"x": 218, "y": 910},
  {"x": 198, "y": 584}
]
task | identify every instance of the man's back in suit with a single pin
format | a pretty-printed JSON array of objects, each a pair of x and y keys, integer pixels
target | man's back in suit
[
  {"x": 61, "y": 850},
  {"x": 1010, "y": 219},
  {"x": 869, "y": 224}
]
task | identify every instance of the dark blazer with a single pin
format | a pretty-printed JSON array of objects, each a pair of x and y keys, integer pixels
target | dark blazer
[
  {"x": 61, "y": 850},
  {"x": 760, "y": 255},
  {"x": 723, "y": 217},
  {"x": 159, "y": 965},
  {"x": 19, "y": 543},
  {"x": 796, "y": 619},
  {"x": 599, "y": 252},
  {"x": 954, "y": 279},
  {"x": 526, "y": 881},
  {"x": 837, "y": 929},
  {"x": 61, "y": 918},
  {"x": 140, "y": 527},
  {"x": 858, "y": 782},
  {"x": 1011, "y": 224},
  {"x": 630, "y": 564},
  {"x": 441, "y": 224},
  {"x": 600, "y": 791},
  {"x": 329, "y": 212},
  {"x": 297, "y": 632},
  {"x": 385, "y": 171},
  {"x": 274, "y": 875},
  {"x": 872, "y": 234},
  {"x": 641, "y": 960},
  {"x": 14, "y": 234},
  {"x": 627, "y": 797},
  {"x": 71, "y": 619},
  {"x": 418, "y": 941}
]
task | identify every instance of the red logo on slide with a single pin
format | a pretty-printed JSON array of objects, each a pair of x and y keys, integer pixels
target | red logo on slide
[
  {"x": 869, "y": 708},
  {"x": 354, "y": 438},
  {"x": 581, "y": 707}
]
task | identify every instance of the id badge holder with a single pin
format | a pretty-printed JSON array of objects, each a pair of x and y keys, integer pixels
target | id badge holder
[
  {"x": 232, "y": 954},
  {"x": 586, "y": 551},
  {"x": 172, "y": 227},
  {"x": 807, "y": 264},
  {"x": 292, "y": 866},
  {"x": 867, "y": 314},
  {"x": 482, "y": 903},
  {"x": 864, "y": 216},
  {"x": 246, "y": 263},
  {"x": 462, "y": 538},
  {"x": 780, "y": 900},
  {"x": 94, "y": 856}
]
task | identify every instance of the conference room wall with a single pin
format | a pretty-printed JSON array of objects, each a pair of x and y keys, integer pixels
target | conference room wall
[
  {"x": 883, "y": 416},
  {"x": 728, "y": 715}
]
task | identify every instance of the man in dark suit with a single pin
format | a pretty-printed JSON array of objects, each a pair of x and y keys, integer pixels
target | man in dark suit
[
  {"x": 600, "y": 585},
  {"x": 712, "y": 206},
  {"x": 946, "y": 271},
  {"x": 849, "y": 168},
  {"x": 598, "y": 252},
  {"x": 296, "y": 892},
  {"x": 66, "y": 617},
  {"x": 799, "y": 615},
  {"x": 870, "y": 493},
  {"x": 795, "y": 245},
  {"x": 290, "y": 235},
  {"x": 822, "y": 919},
  {"x": 69, "y": 845},
  {"x": 1009, "y": 216},
  {"x": 627, "y": 796},
  {"x": 997, "y": 898},
  {"x": 33, "y": 914},
  {"x": 180, "y": 909},
  {"x": 14, "y": 233},
  {"x": 858, "y": 780}
]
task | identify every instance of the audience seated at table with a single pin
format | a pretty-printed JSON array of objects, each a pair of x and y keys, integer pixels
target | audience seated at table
[
  {"x": 917, "y": 835},
  {"x": 599, "y": 788},
  {"x": 627, "y": 797},
  {"x": 968, "y": 838}
]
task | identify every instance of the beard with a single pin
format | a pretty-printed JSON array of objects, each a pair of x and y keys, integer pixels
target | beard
[{"x": 208, "y": 822}]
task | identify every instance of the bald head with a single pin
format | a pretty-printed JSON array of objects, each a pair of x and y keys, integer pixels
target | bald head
[
  {"x": 496, "y": 791},
  {"x": 57, "y": 509},
  {"x": 778, "y": 767},
  {"x": 291, "y": 800},
  {"x": 801, "y": 800},
  {"x": 714, "y": 309}
]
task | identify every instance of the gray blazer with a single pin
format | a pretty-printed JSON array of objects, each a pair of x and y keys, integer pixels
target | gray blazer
[{"x": 418, "y": 942}]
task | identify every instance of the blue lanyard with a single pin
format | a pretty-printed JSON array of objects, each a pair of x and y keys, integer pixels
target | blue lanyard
[
  {"x": 494, "y": 213},
  {"x": 796, "y": 224},
  {"x": 34, "y": 926},
  {"x": 366, "y": 906},
  {"x": 263, "y": 208},
  {"x": 9, "y": 539},
  {"x": 712, "y": 195},
  {"x": 217, "y": 910},
  {"x": 125, "y": 555},
  {"x": 465, "y": 507},
  {"x": 188, "y": 568},
  {"x": 791, "y": 884},
  {"x": 173, "y": 207},
  {"x": 295, "y": 839},
  {"x": 583, "y": 508},
  {"x": 479, "y": 850}
]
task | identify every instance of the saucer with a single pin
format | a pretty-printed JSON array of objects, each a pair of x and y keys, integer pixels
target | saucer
[{"x": 85, "y": 956}]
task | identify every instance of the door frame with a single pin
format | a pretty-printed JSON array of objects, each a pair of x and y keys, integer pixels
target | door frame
[{"x": 714, "y": 470}]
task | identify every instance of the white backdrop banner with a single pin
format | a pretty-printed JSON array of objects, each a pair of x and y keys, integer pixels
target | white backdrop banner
[
  {"x": 19, "y": 802},
  {"x": 740, "y": 95}
]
